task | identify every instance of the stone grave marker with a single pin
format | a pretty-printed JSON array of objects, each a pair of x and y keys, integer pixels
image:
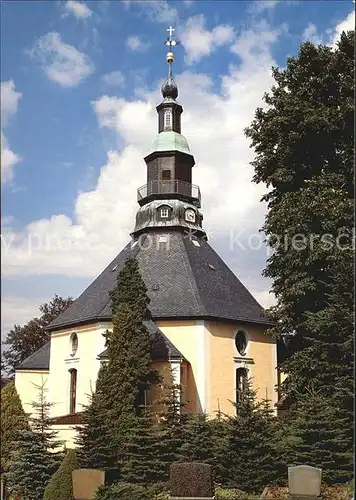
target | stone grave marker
[
  {"x": 304, "y": 482},
  {"x": 86, "y": 482},
  {"x": 191, "y": 481}
]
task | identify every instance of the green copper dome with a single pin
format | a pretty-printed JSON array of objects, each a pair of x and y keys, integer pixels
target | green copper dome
[{"x": 170, "y": 141}]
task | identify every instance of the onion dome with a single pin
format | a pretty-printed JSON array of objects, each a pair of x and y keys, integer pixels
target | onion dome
[{"x": 169, "y": 88}]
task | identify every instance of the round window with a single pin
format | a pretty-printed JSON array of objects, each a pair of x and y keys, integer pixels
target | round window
[{"x": 241, "y": 342}]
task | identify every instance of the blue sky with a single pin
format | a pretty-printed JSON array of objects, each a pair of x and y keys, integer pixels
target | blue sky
[{"x": 80, "y": 82}]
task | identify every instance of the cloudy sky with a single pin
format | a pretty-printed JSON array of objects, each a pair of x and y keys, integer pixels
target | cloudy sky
[{"x": 80, "y": 82}]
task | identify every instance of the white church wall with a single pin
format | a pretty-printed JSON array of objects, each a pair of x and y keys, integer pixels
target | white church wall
[
  {"x": 91, "y": 343},
  {"x": 27, "y": 383},
  {"x": 67, "y": 434}
]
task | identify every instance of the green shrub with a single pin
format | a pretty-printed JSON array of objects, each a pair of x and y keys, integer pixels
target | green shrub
[
  {"x": 60, "y": 486},
  {"x": 122, "y": 491},
  {"x": 230, "y": 494},
  {"x": 158, "y": 489},
  {"x": 162, "y": 496}
]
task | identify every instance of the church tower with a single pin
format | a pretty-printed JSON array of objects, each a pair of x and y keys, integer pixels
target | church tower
[
  {"x": 209, "y": 330},
  {"x": 169, "y": 199}
]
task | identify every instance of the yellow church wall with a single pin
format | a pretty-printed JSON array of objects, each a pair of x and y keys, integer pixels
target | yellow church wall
[
  {"x": 27, "y": 383},
  {"x": 186, "y": 336},
  {"x": 260, "y": 360},
  {"x": 90, "y": 344}
]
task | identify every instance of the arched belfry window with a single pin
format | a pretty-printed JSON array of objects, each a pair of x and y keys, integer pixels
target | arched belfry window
[
  {"x": 168, "y": 119},
  {"x": 72, "y": 390},
  {"x": 73, "y": 344},
  {"x": 241, "y": 385}
]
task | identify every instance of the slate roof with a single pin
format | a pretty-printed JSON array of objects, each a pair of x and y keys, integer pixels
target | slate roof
[
  {"x": 184, "y": 276},
  {"x": 39, "y": 360},
  {"x": 162, "y": 347}
]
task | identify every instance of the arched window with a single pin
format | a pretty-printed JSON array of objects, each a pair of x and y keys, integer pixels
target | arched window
[
  {"x": 73, "y": 344},
  {"x": 241, "y": 384},
  {"x": 168, "y": 119},
  {"x": 72, "y": 390},
  {"x": 241, "y": 342}
]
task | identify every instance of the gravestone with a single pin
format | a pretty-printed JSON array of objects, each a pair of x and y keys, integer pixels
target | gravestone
[
  {"x": 191, "y": 481},
  {"x": 304, "y": 482},
  {"x": 86, "y": 482}
]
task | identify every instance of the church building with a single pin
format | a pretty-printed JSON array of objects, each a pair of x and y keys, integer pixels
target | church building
[{"x": 209, "y": 330}]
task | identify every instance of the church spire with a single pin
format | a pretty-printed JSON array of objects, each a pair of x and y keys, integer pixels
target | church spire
[
  {"x": 169, "y": 199},
  {"x": 169, "y": 88}
]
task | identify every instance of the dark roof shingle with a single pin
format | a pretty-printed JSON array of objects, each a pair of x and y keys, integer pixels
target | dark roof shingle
[
  {"x": 39, "y": 360},
  {"x": 184, "y": 280}
]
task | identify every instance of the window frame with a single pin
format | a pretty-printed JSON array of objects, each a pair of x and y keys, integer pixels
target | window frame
[
  {"x": 73, "y": 380},
  {"x": 74, "y": 342},
  {"x": 239, "y": 332},
  {"x": 168, "y": 119}
]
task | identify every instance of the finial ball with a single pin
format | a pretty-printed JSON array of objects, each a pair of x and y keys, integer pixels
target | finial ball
[{"x": 170, "y": 57}]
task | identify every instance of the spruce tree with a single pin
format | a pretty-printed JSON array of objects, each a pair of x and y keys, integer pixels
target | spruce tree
[
  {"x": 96, "y": 449},
  {"x": 171, "y": 427},
  {"x": 13, "y": 420},
  {"x": 320, "y": 434},
  {"x": 253, "y": 460},
  {"x": 126, "y": 376},
  {"x": 141, "y": 462},
  {"x": 219, "y": 431},
  {"x": 35, "y": 459},
  {"x": 60, "y": 486},
  {"x": 197, "y": 439}
]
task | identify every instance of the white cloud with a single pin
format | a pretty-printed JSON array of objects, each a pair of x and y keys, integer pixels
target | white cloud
[
  {"x": 213, "y": 124},
  {"x": 259, "y": 6},
  {"x": 17, "y": 310},
  {"x": 9, "y": 105},
  {"x": 265, "y": 298},
  {"x": 199, "y": 42},
  {"x": 114, "y": 78},
  {"x": 62, "y": 63},
  {"x": 332, "y": 35},
  {"x": 9, "y": 101},
  {"x": 79, "y": 9},
  {"x": 310, "y": 34},
  {"x": 158, "y": 11},
  {"x": 345, "y": 25},
  {"x": 134, "y": 43}
]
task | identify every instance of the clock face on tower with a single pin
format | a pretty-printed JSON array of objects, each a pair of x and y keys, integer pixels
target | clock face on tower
[{"x": 190, "y": 215}]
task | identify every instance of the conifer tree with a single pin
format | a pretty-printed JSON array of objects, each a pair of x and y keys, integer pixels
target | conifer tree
[
  {"x": 35, "y": 459},
  {"x": 13, "y": 420},
  {"x": 60, "y": 486},
  {"x": 219, "y": 430},
  {"x": 95, "y": 446},
  {"x": 127, "y": 375},
  {"x": 320, "y": 434},
  {"x": 141, "y": 462},
  {"x": 253, "y": 460},
  {"x": 171, "y": 427},
  {"x": 197, "y": 439}
]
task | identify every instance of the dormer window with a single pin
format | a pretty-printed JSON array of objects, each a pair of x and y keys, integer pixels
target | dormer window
[
  {"x": 74, "y": 344},
  {"x": 168, "y": 119},
  {"x": 164, "y": 213}
]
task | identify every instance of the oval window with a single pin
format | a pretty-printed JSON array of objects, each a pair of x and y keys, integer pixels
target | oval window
[
  {"x": 74, "y": 344},
  {"x": 241, "y": 342}
]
